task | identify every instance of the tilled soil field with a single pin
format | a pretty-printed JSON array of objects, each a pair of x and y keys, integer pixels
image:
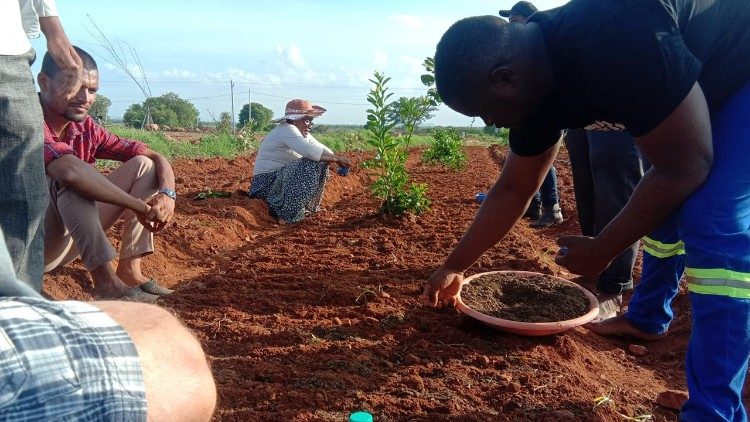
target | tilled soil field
[{"x": 312, "y": 321}]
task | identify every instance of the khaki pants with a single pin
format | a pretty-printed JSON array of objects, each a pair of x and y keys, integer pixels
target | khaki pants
[{"x": 75, "y": 226}]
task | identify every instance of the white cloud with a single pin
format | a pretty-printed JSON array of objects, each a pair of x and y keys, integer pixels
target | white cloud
[
  {"x": 290, "y": 55},
  {"x": 178, "y": 73},
  {"x": 241, "y": 75},
  {"x": 408, "y": 21}
]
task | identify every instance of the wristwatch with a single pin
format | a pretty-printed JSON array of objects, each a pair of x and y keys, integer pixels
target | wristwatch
[{"x": 169, "y": 192}]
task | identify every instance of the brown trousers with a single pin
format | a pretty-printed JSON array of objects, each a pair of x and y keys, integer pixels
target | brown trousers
[{"x": 75, "y": 226}]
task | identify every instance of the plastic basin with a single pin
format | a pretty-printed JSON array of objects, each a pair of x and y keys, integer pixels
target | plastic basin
[{"x": 530, "y": 328}]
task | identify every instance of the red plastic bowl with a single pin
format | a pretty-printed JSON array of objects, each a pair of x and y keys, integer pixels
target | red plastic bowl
[{"x": 530, "y": 328}]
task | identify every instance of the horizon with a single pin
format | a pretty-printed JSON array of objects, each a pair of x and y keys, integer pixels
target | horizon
[{"x": 322, "y": 51}]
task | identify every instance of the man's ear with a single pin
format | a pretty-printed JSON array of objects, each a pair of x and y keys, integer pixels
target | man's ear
[
  {"x": 502, "y": 79},
  {"x": 42, "y": 79}
]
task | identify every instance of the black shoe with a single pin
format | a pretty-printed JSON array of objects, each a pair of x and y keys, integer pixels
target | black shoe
[
  {"x": 533, "y": 213},
  {"x": 550, "y": 215}
]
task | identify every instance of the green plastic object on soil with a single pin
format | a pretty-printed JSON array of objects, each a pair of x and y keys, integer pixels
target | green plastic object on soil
[{"x": 360, "y": 417}]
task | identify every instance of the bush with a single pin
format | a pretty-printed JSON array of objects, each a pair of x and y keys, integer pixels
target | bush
[
  {"x": 446, "y": 149},
  {"x": 399, "y": 195},
  {"x": 168, "y": 109},
  {"x": 259, "y": 118}
]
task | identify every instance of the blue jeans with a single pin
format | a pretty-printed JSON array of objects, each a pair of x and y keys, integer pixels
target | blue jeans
[
  {"x": 23, "y": 192},
  {"x": 606, "y": 168},
  {"x": 547, "y": 195}
]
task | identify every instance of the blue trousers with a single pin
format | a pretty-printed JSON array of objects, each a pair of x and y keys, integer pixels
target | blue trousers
[
  {"x": 547, "y": 195},
  {"x": 606, "y": 168},
  {"x": 708, "y": 239}
]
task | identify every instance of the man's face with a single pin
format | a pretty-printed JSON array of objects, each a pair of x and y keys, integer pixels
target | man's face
[
  {"x": 493, "y": 109},
  {"x": 77, "y": 107}
]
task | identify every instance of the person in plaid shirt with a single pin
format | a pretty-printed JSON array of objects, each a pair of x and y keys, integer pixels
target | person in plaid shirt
[
  {"x": 84, "y": 204},
  {"x": 96, "y": 361}
]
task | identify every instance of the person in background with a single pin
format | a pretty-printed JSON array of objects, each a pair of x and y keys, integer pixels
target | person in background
[
  {"x": 85, "y": 204},
  {"x": 676, "y": 75},
  {"x": 97, "y": 361},
  {"x": 544, "y": 209},
  {"x": 23, "y": 198},
  {"x": 607, "y": 166},
  {"x": 291, "y": 168}
]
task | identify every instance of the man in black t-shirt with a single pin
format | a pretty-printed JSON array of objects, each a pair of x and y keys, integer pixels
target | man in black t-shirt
[
  {"x": 676, "y": 75},
  {"x": 544, "y": 208}
]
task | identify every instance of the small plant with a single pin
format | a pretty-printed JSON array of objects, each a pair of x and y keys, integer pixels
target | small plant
[
  {"x": 399, "y": 195},
  {"x": 208, "y": 193},
  {"x": 446, "y": 149}
]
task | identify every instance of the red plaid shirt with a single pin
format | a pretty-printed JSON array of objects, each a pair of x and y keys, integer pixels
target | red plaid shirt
[{"x": 89, "y": 141}]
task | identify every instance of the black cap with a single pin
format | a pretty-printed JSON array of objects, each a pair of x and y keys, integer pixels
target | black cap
[{"x": 523, "y": 8}]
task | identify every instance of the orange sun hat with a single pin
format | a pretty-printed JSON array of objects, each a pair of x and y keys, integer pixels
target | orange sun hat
[{"x": 298, "y": 109}]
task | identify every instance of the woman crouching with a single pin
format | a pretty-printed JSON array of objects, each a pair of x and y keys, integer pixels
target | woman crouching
[{"x": 291, "y": 168}]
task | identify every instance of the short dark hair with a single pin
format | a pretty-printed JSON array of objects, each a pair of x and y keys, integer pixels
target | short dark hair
[
  {"x": 50, "y": 67},
  {"x": 467, "y": 53}
]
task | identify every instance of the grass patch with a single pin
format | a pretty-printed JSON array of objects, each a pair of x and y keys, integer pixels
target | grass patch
[
  {"x": 355, "y": 140},
  {"x": 211, "y": 145},
  {"x": 230, "y": 145}
]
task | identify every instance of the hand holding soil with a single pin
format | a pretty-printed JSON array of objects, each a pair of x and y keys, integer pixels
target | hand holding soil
[{"x": 442, "y": 287}]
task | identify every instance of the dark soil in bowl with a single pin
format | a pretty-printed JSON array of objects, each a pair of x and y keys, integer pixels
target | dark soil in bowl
[{"x": 524, "y": 298}]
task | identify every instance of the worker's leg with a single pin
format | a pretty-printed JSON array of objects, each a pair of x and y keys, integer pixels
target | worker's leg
[{"x": 715, "y": 225}]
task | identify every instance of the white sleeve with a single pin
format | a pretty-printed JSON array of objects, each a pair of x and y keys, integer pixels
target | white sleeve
[
  {"x": 45, "y": 8},
  {"x": 31, "y": 11},
  {"x": 309, "y": 148}
]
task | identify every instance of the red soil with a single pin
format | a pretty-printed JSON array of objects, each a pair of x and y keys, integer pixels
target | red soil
[{"x": 316, "y": 320}]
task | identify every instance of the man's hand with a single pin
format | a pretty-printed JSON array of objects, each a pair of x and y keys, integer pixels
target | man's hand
[
  {"x": 343, "y": 161},
  {"x": 442, "y": 287},
  {"x": 142, "y": 216},
  {"x": 581, "y": 255},
  {"x": 65, "y": 56},
  {"x": 161, "y": 211}
]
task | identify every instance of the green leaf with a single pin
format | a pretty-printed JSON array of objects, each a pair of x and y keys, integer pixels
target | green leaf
[
  {"x": 212, "y": 194},
  {"x": 428, "y": 80}
]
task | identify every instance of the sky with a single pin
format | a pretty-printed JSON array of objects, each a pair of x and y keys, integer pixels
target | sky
[{"x": 273, "y": 51}]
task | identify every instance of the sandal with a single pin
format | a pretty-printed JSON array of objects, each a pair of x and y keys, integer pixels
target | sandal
[
  {"x": 137, "y": 295},
  {"x": 154, "y": 288}
]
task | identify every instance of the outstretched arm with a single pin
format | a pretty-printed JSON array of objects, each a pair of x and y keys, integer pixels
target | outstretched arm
[
  {"x": 340, "y": 160},
  {"x": 505, "y": 203}
]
